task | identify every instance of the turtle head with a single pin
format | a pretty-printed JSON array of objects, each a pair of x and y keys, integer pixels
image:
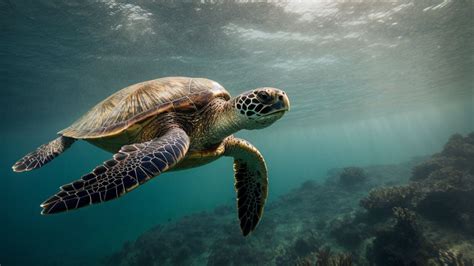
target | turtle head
[{"x": 261, "y": 107}]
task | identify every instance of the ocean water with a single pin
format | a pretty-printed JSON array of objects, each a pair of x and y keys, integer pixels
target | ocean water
[{"x": 370, "y": 83}]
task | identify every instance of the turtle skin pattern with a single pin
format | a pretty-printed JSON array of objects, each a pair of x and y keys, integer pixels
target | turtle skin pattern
[
  {"x": 132, "y": 166},
  {"x": 43, "y": 154}
]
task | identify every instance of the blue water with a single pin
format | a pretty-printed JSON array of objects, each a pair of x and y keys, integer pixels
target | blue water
[{"x": 369, "y": 83}]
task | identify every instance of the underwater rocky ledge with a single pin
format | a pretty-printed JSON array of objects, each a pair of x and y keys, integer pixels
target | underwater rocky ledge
[{"x": 416, "y": 213}]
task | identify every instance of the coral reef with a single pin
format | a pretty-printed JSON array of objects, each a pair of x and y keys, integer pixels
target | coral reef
[
  {"x": 401, "y": 244},
  {"x": 325, "y": 257},
  {"x": 380, "y": 201},
  {"x": 442, "y": 189},
  {"x": 352, "y": 176},
  {"x": 415, "y": 213},
  {"x": 453, "y": 166},
  {"x": 451, "y": 258},
  {"x": 349, "y": 230}
]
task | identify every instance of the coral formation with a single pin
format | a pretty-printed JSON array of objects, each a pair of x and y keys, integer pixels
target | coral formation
[
  {"x": 349, "y": 230},
  {"x": 380, "y": 201},
  {"x": 442, "y": 189},
  {"x": 352, "y": 176},
  {"x": 453, "y": 163},
  {"x": 325, "y": 257},
  {"x": 451, "y": 258},
  {"x": 402, "y": 243},
  {"x": 415, "y": 213}
]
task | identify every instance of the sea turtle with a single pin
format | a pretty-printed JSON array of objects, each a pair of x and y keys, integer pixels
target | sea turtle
[{"x": 162, "y": 125}]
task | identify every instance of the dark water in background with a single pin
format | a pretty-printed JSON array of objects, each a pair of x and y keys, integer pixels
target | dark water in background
[{"x": 372, "y": 82}]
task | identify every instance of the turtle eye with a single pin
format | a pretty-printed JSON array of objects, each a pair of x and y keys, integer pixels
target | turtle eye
[{"x": 264, "y": 97}]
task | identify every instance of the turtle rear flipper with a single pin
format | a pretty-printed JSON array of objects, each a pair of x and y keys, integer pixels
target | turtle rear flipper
[{"x": 43, "y": 155}]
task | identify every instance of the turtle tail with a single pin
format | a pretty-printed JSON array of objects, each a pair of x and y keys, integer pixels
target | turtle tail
[{"x": 43, "y": 155}]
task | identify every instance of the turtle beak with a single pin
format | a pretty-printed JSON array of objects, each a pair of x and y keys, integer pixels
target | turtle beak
[
  {"x": 286, "y": 101},
  {"x": 283, "y": 103}
]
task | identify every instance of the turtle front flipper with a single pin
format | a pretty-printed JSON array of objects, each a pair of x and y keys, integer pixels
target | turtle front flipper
[
  {"x": 251, "y": 182},
  {"x": 132, "y": 166},
  {"x": 43, "y": 155}
]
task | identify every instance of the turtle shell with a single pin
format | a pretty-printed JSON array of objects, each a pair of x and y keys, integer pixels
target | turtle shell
[{"x": 143, "y": 100}]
